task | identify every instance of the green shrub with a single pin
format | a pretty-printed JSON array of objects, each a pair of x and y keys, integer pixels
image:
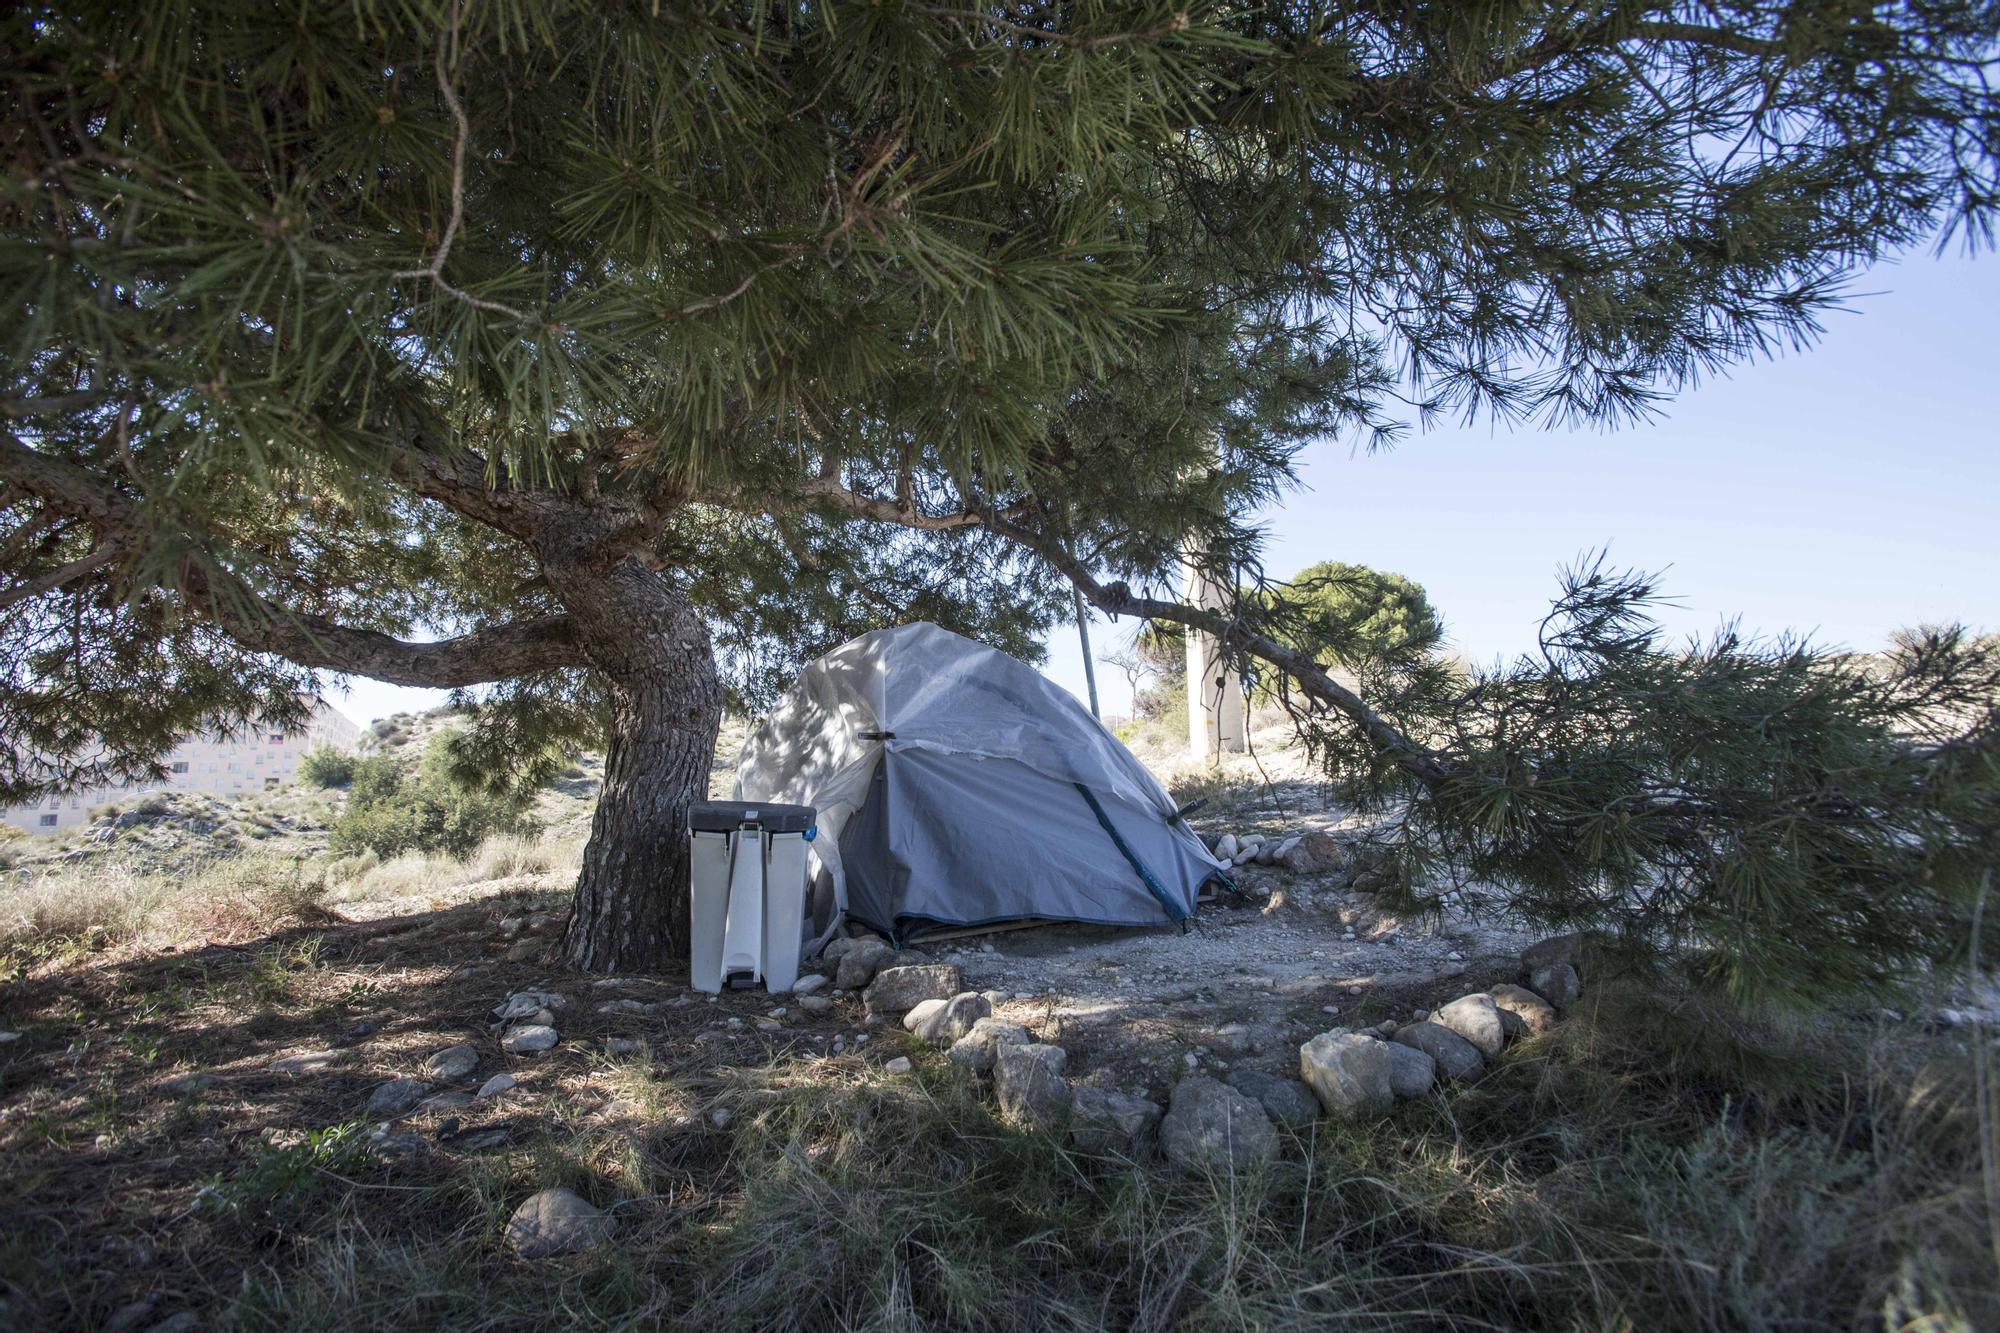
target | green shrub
[
  {"x": 326, "y": 766},
  {"x": 393, "y": 809}
]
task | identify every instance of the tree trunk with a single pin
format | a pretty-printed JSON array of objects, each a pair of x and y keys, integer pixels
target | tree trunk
[{"x": 652, "y": 650}]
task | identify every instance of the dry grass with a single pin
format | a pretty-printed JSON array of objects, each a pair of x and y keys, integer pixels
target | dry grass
[{"x": 95, "y": 904}]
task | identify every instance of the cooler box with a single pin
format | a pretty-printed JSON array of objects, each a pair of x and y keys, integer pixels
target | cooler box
[{"x": 746, "y": 893}]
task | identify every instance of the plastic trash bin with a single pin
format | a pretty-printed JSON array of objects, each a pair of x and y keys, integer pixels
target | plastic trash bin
[{"x": 746, "y": 893}]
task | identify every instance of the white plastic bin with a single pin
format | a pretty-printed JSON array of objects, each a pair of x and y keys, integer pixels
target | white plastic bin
[{"x": 747, "y": 893}]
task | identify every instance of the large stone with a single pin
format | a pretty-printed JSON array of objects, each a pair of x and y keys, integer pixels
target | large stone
[
  {"x": 956, "y": 1018},
  {"x": 396, "y": 1097},
  {"x": 1348, "y": 1072},
  {"x": 1213, "y": 1127},
  {"x": 528, "y": 1038},
  {"x": 1285, "y": 1100},
  {"x": 452, "y": 1062},
  {"x": 860, "y": 961},
  {"x": 556, "y": 1222},
  {"x": 1456, "y": 1057},
  {"x": 1568, "y": 949},
  {"x": 978, "y": 1048},
  {"x": 1411, "y": 1071},
  {"x": 1536, "y": 1014},
  {"x": 1477, "y": 1019},
  {"x": 1317, "y": 852},
  {"x": 922, "y": 1013},
  {"x": 1112, "y": 1124},
  {"x": 1226, "y": 847},
  {"x": 897, "y": 990},
  {"x": 1557, "y": 983},
  {"x": 1028, "y": 1082},
  {"x": 808, "y": 983}
]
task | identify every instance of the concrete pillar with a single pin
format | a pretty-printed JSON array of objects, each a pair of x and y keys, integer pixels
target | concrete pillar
[{"x": 1215, "y": 692}]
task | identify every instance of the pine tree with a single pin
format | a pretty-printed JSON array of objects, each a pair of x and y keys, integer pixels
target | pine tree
[{"x": 646, "y": 350}]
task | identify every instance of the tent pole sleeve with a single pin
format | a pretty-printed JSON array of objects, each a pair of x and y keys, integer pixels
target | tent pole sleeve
[{"x": 1159, "y": 891}]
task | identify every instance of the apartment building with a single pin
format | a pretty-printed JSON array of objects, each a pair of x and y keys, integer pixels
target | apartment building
[{"x": 254, "y": 759}]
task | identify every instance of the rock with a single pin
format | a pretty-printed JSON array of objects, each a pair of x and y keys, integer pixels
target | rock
[
  {"x": 978, "y": 1048},
  {"x": 1456, "y": 1057},
  {"x": 126, "y": 1317},
  {"x": 953, "y": 1021},
  {"x": 1249, "y": 840},
  {"x": 995, "y": 997},
  {"x": 308, "y": 1062},
  {"x": 1411, "y": 1072},
  {"x": 896, "y": 990},
  {"x": 623, "y": 1045},
  {"x": 1285, "y": 1100},
  {"x": 187, "y": 1085},
  {"x": 1213, "y": 1127},
  {"x": 1322, "y": 849},
  {"x": 452, "y": 1062},
  {"x": 396, "y": 1097},
  {"x": 1557, "y": 983},
  {"x": 900, "y": 1065},
  {"x": 182, "y": 1321},
  {"x": 525, "y": 950},
  {"x": 496, "y": 1085},
  {"x": 445, "y": 1101},
  {"x": 555, "y": 1221},
  {"x": 859, "y": 963},
  {"x": 1536, "y": 1014},
  {"x": 807, "y": 984},
  {"x": 1348, "y": 1072},
  {"x": 1477, "y": 1019},
  {"x": 527, "y": 1003},
  {"x": 626, "y": 1006},
  {"x": 1112, "y": 1124},
  {"x": 837, "y": 947},
  {"x": 816, "y": 1004},
  {"x": 1568, "y": 949},
  {"x": 528, "y": 1038},
  {"x": 1284, "y": 848},
  {"x": 1226, "y": 847},
  {"x": 1028, "y": 1082},
  {"x": 922, "y": 1013}
]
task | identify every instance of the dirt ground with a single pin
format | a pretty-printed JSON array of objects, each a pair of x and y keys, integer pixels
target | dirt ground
[{"x": 143, "y": 1086}]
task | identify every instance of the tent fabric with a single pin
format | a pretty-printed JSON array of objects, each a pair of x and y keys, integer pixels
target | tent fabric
[{"x": 956, "y": 785}]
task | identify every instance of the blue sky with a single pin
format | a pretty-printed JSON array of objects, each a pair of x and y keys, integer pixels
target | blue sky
[{"x": 1849, "y": 489}]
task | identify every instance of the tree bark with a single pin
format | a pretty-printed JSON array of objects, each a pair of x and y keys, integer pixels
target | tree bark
[{"x": 653, "y": 652}]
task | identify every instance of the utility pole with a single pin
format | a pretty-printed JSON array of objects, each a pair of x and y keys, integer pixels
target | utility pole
[
  {"x": 1215, "y": 691},
  {"x": 1089, "y": 667}
]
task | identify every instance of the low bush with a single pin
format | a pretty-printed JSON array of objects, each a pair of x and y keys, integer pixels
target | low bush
[
  {"x": 393, "y": 808},
  {"x": 327, "y": 766}
]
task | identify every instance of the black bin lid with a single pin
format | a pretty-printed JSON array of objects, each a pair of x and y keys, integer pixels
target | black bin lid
[{"x": 728, "y": 816}]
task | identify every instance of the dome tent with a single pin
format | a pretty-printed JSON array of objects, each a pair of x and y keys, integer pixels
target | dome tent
[{"x": 957, "y": 786}]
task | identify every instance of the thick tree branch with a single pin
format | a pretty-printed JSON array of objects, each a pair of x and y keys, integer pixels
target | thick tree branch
[
  {"x": 1118, "y": 599},
  {"x": 828, "y": 490},
  {"x": 539, "y": 644}
]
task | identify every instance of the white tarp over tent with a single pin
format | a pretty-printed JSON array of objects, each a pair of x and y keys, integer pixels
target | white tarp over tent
[{"x": 956, "y": 785}]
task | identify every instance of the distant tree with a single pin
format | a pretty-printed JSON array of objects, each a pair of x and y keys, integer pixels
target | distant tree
[
  {"x": 1336, "y": 614},
  {"x": 642, "y": 351},
  {"x": 1341, "y": 614}
]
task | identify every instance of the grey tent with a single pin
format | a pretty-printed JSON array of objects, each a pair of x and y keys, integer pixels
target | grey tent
[{"x": 957, "y": 786}]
